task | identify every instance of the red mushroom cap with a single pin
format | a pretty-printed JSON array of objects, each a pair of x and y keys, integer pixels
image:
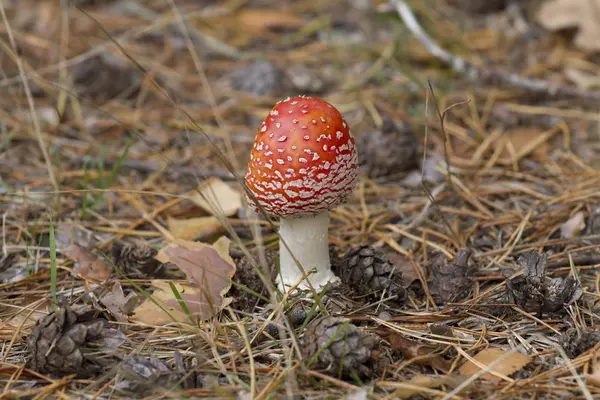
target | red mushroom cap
[{"x": 304, "y": 159}]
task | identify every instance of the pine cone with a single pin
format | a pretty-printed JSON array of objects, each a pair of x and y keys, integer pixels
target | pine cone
[
  {"x": 388, "y": 151},
  {"x": 148, "y": 375},
  {"x": 247, "y": 277},
  {"x": 450, "y": 282},
  {"x": 534, "y": 292},
  {"x": 339, "y": 347},
  {"x": 368, "y": 272},
  {"x": 137, "y": 261},
  {"x": 58, "y": 341},
  {"x": 576, "y": 342}
]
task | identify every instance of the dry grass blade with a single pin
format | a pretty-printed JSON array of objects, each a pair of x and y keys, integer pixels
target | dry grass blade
[{"x": 34, "y": 116}]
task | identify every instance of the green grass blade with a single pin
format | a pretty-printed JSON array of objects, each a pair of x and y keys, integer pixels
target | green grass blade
[
  {"x": 101, "y": 180},
  {"x": 184, "y": 306},
  {"x": 122, "y": 157},
  {"x": 86, "y": 181},
  {"x": 139, "y": 288}
]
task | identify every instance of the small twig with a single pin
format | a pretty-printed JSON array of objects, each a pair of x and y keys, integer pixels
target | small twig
[
  {"x": 442, "y": 118},
  {"x": 593, "y": 259},
  {"x": 489, "y": 75},
  {"x": 430, "y": 195}
]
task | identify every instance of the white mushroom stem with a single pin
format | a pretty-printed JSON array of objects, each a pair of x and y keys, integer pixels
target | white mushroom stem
[{"x": 307, "y": 240}]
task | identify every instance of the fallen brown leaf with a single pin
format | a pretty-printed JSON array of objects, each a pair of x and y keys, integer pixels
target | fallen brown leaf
[
  {"x": 151, "y": 313},
  {"x": 117, "y": 304},
  {"x": 67, "y": 234},
  {"x": 582, "y": 14},
  {"x": 88, "y": 265},
  {"x": 422, "y": 354},
  {"x": 209, "y": 269},
  {"x": 521, "y": 142},
  {"x": 218, "y": 198},
  {"x": 409, "y": 275},
  {"x": 510, "y": 364},
  {"x": 194, "y": 228}
]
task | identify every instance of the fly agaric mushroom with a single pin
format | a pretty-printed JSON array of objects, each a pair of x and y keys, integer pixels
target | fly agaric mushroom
[{"x": 303, "y": 164}]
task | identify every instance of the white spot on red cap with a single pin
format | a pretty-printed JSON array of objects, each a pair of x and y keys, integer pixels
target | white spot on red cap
[
  {"x": 280, "y": 161},
  {"x": 339, "y": 134},
  {"x": 282, "y": 138},
  {"x": 302, "y": 160},
  {"x": 278, "y": 125}
]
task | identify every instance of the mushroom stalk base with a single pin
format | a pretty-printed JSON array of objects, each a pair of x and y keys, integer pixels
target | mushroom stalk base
[{"x": 307, "y": 239}]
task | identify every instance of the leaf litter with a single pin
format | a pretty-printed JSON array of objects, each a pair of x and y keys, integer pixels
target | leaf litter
[
  {"x": 498, "y": 362},
  {"x": 579, "y": 14},
  {"x": 510, "y": 176},
  {"x": 209, "y": 269}
]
